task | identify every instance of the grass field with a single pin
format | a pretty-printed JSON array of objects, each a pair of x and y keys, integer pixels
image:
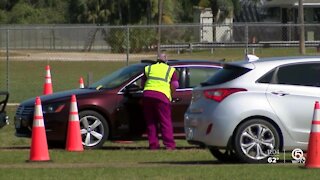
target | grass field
[
  {"x": 140, "y": 164},
  {"x": 26, "y": 78},
  {"x": 115, "y": 160},
  {"x": 133, "y": 161}
]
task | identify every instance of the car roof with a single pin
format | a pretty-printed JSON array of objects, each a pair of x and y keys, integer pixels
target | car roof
[
  {"x": 187, "y": 61},
  {"x": 275, "y": 61}
]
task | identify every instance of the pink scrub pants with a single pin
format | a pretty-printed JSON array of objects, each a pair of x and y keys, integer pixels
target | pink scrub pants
[{"x": 158, "y": 112}]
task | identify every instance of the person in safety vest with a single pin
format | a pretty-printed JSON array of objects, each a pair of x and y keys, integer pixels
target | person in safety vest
[{"x": 160, "y": 82}]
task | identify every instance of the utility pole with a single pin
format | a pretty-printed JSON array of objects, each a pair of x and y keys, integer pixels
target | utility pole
[
  {"x": 160, "y": 3},
  {"x": 301, "y": 26}
]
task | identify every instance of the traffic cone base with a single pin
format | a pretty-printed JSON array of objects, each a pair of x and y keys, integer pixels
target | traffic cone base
[
  {"x": 73, "y": 137},
  {"x": 39, "y": 147},
  {"x": 313, "y": 153},
  {"x": 74, "y": 140}
]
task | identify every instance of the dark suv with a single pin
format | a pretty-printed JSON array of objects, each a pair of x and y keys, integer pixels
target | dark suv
[{"x": 111, "y": 107}]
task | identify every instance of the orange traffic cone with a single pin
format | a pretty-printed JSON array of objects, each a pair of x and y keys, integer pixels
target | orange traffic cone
[
  {"x": 47, "y": 87},
  {"x": 81, "y": 82},
  {"x": 74, "y": 140},
  {"x": 39, "y": 147},
  {"x": 313, "y": 153}
]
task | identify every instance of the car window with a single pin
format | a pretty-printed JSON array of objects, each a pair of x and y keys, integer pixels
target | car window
[
  {"x": 138, "y": 83},
  {"x": 118, "y": 77},
  {"x": 267, "y": 78},
  {"x": 189, "y": 77},
  {"x": 197, "y": 75},
  {"x": 179, "y": 71},
  {"x": 299, "y": 74},
  {"x": 227, "y": 73},
  {"x": 180, "y": 75}
]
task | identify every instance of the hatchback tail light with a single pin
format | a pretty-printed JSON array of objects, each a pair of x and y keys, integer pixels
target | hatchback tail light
[{"x": 219, "y": 94}]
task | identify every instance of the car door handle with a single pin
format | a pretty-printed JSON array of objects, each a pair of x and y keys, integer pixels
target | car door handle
[
  {"x": 174, "y": 100},
  {"x": 280, "y": 93}
]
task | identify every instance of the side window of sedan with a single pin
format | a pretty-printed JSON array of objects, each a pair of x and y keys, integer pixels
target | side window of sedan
[
  {"x": 179, "y": 73},
  {"x": 138, "y": 82},
  {"x": 197, "y": 75}
]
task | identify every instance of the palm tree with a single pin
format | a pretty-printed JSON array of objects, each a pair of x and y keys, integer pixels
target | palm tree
[
  {"x": 222, "y": 9},
  {"x": 95, "y": 12}
]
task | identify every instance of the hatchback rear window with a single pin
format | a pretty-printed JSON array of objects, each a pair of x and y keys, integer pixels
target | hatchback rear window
[{"x": 227, "y": 73}]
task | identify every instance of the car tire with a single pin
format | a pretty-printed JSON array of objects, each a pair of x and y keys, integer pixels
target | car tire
[
  {"x": 254, "y": 140},
  {"x": 223, "y": 155},
  {"x": 94, "y": 129}
]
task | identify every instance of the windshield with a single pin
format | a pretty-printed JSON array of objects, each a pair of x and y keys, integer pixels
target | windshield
[{"x": 118, "y": 77}]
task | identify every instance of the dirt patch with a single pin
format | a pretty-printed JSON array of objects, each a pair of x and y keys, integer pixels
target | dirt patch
[{"x": 71, "y": 56}]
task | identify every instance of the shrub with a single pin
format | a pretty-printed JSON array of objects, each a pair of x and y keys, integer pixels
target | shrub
[{"x": 141, "y": 39}]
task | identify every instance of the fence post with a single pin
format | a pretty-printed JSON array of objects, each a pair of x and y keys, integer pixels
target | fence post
[
  {"x": 246, "y": 38},
  {"x": 89, "y": 78},
  {"x": 53, "y": 39},
  {"x": 128, "y": 44},
  {"x": 7, "y": 52}
]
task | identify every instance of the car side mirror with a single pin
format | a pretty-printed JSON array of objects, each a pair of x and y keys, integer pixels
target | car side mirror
[
  {"x": 133, "y": 91},
  {"x": 132, "y": 88}
]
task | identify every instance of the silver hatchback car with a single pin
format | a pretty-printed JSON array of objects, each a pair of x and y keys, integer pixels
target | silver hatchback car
[{"x": 248, "y": 110}]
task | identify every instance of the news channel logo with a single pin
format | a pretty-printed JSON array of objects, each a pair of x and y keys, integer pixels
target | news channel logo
[{"x": 296, "y": 154}]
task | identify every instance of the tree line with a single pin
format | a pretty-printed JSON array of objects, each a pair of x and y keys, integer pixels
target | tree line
[{"x": 111, "y": 12}]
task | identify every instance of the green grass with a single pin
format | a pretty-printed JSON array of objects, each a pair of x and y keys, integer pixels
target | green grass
[
  {"x": 140, "y": 164},
  {"x": 26, "y": 78},
  {"x": 133, "y": 161},
  {"x": 231, "y": 54},
  {"x": 115, "y": 160}
]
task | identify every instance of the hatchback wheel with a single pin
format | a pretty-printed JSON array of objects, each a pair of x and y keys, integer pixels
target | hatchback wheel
[
  {"x": 94, "y": 129},
  {"x": 254, "y": 140}
]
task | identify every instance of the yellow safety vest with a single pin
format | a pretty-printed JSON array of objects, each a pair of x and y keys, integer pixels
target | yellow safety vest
[{"x": 158, "y": 78}]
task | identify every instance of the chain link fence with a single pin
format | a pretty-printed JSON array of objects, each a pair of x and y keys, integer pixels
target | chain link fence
[
  {"x": 127, "y": 44},
  {"x": 144, "y": 39}
]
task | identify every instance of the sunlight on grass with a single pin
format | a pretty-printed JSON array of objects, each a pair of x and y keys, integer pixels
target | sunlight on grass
[
  {"x": 26, "y": 78},
  {"x": 133, "y": 160}
]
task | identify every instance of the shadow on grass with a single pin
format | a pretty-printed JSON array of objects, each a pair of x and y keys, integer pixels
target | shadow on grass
[
  {"x": 15, "y": 148},
  {"x": 213, "y": 162},
  {"x": 207, "y": 162},
  {"x": 112, "y": 147},
  {"x": 143, "y": 148}
]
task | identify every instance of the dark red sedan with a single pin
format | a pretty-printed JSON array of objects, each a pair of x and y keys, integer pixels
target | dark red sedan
[{"x": 110, "y": 108}]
